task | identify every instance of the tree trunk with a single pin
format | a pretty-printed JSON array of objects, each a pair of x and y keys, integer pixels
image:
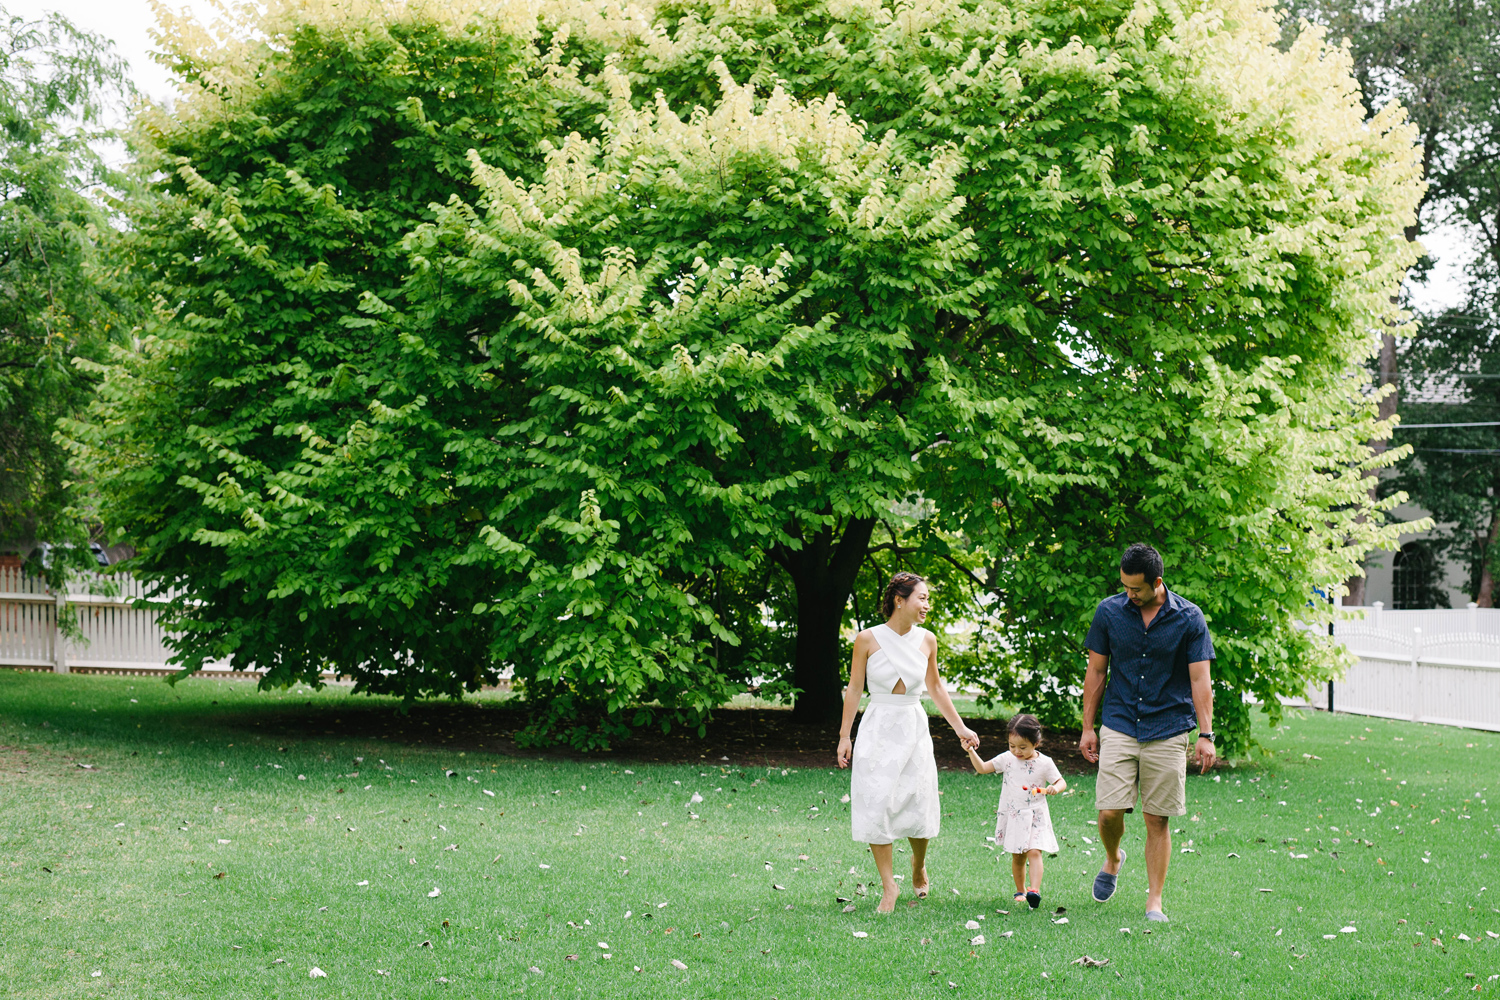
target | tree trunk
[
  {"x": 1387, "y": 409},
  {"x": 823, "y": 573},
  {"x": 1486, "y": 595}
]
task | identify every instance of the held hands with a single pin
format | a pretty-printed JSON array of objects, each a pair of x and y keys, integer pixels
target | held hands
[
  {"x": 967, "y": 737},
  {"x": 845, "y": 751},
  {"x": 1088, "y": 745},
  {"x": 1205, "y": 755}
]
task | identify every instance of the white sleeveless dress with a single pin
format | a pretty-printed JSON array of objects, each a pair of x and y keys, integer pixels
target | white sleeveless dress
[{"x": 894, "y": 784}]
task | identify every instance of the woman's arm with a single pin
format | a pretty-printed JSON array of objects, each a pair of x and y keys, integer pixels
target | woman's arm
[
  {"x": 862, "y": 643},
  {"x": 967, "y": 736},
  {"x": 980, "y": 766}
]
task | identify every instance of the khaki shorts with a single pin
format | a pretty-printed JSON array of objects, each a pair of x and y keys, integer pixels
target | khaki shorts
[{"x": 1157, "y": 770}]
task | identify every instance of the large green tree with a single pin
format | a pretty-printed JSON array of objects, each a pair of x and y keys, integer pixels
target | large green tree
[
  {"x": 1453, "y": 364},
  {"x": 765, "y": 287},
  {"x": 59, "y": 88},
  {"x": 1440, "y": 59}
]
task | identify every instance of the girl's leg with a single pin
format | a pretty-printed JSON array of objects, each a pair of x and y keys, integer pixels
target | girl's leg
[
  {"x": 918, "y": 863},
  {"x": 889, "y": 892},
  {"x": 1018, "y": 871},
  {"x": 1035, "y": 860}
]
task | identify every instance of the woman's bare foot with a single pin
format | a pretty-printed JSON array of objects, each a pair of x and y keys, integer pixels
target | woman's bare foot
[
  {"x": 888, "y": 899},
  {"x": 919, "y": 881}
]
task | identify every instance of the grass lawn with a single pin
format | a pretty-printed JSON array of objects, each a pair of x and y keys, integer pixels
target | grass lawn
[{"x": 196, "y": 857}]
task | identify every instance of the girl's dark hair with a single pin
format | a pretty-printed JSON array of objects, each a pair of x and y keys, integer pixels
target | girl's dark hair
[
  {"x": 901, "y": 585},
  {"x": 1027, "y": 727}
]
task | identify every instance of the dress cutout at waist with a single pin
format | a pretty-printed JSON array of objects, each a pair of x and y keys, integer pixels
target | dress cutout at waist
[{"x": 899, "y": 658}]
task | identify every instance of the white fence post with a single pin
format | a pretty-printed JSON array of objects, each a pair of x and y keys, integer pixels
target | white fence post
[
  {"x": 1473, "y": 617},
  {"x": 59, "y": 645},
  {"x": 1375, "y": 610},
  {"x": 1416, "y": 676}
]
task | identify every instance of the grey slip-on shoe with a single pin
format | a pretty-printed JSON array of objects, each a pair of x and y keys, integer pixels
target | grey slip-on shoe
[{"x": 1104, "y": 883}]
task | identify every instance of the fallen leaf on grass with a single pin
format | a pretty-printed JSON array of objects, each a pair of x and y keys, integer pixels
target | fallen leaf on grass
[
  {"x": 861, "y": 934},
  {"x": 1349, "y": 929},
  {"x": 1060, "y": 920},
  {"x": 778, "y": 888},
  {"x": 972, "y": 925},
  {"x": 1091, "y": 963},
  {"x": 849, "y": 908},
  {"x": 383, "y": 972},
  {"x": 436, "y": 892},
  {"x": 316, "y": 973},
  {"x": 977, "y": 939},
  {"x": 676, "y": 964},
  {"x": 365, "y": 882},
  {"x": 219, "y": 875},
  {"x": 425, "y": 944},
  {"x": 533, "y": 969},
  {"x": 1007, "y": 933}
]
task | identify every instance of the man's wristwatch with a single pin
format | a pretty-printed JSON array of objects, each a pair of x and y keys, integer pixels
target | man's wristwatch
[{"x": 1206, "y": 736}]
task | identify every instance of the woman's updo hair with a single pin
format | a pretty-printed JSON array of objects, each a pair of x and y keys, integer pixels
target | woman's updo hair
[
  {"x": 1028, "y": 727},
  {"x": 901, "y": 585}
]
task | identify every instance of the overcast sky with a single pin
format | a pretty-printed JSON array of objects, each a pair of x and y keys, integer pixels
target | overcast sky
[{"x": 128, "y": 23}]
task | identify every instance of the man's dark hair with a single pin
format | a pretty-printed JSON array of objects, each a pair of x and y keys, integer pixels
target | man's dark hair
[{"x": 1142, "y": 558}]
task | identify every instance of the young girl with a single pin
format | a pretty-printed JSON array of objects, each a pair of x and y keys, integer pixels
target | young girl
[{"x": 1023, "y": 826}]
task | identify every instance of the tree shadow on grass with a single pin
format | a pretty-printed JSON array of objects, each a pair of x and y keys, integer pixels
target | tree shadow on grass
[{"x": 755, "y": 737}]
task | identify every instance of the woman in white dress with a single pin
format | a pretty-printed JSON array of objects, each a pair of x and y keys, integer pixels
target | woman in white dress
[{"x": 894, "y": 791}]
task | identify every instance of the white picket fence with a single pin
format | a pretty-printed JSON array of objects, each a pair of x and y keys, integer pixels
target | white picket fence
[
  {"x": 1435, "y": 666},
  {"x": 1429, "y": 666},
  {"x": 117, "y": 638}
]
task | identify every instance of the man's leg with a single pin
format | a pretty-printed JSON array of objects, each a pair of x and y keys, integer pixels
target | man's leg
[
  {"x": 1111, "y": 829},
  {"x": 1163, "y": 796},
  {"x": 1114, "y": 794},
  {"x": 1158, "y": 856}
]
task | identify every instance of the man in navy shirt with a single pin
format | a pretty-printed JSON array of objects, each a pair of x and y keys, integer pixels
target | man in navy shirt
[{"x": 1153, "y": 650}]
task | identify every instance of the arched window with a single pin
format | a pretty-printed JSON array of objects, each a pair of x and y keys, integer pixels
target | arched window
[{"x": 1414, "y": 581}]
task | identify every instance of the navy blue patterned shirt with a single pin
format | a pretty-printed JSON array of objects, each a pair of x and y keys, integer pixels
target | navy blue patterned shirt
[{"x": 1150, "y": 696}]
